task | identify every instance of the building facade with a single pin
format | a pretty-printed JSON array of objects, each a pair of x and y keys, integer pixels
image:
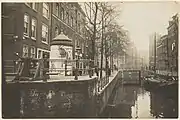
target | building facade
[
  {"x": 25, "y": 29},
  {"x": 162, "y": 58},
  {"x": 173, "y": 31},
  {"x": 28, "y": 28},
  {"x": 131, "y": 57},
  {"x": 154, "y": 38},
  {"x": 69, "y": 18}
]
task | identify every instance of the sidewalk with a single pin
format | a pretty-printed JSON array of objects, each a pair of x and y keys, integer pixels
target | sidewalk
[{"x": 71, "y": 78}]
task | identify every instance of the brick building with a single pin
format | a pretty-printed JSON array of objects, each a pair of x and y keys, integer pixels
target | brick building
[
  {"x": 69, "y": 18},
  {"x": 162, "y": 58},
  {"x": 173, "y": 31},
  {"x": 25, "y": 29},
  {"x": 28, "y": 28},
  {"x": 166, "y": 48}
]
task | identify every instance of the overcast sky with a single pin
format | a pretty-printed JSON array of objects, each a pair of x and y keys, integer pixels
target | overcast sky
[{"x": 143, "y": 18}]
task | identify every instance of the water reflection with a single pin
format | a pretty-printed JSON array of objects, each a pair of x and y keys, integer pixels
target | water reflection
[
  {"x": 135, "y": 102},
  {"x": 163, "y": 107}
]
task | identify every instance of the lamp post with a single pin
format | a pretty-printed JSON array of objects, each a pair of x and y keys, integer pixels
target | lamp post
[{"x": 78, "y": 55}]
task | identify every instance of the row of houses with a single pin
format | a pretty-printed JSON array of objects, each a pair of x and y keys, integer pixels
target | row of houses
[
  {"x": 165, "y": 47},
  {"x": 28, "y": 28},
  {"x": 131, "y": 59}
]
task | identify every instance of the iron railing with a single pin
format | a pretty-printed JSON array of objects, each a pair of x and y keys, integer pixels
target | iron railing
[
  {"x": 102, "y": 82},
  {"x": 35, "y": 69},
  {"x": 27, "y": 69}
]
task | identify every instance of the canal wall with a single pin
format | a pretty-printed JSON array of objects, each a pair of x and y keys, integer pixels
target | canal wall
[
  {"x": 72, "y": 98},
  {"x": 50, "y": 99},
  {"x": 105, "y": 94}
]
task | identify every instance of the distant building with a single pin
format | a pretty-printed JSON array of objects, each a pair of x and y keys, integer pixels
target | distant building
[
  {"x": 154, "y": 37},
  {"x": 173, "y": 31},
  {"x": 162, "y": 58},
  {"x": 131, "y": 57}
]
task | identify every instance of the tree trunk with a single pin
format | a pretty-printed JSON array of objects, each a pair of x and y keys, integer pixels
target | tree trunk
[
  {"x": 102, "y": 48},
  {"x": 94, "y": 33}
]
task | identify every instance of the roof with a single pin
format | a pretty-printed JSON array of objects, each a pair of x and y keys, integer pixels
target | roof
[{"x": 62, "y": 39}]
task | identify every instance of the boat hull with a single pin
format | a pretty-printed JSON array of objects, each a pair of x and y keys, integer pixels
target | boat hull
[{"x": 150, "y": 85}]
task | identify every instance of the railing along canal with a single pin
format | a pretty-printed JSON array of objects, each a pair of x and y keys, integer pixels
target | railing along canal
[{"x": 27, "y": 69}]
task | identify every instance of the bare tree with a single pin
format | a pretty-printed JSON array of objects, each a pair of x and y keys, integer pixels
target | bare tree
[
  {"x": 116, "y": 42},
  {"x": 99, "y": 16},
  {"x": 94, "y": 12},
  {"x": 91, "y": 11}
]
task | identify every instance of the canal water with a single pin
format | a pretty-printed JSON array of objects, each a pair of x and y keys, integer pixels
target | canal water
[{"x": 132, "y": 101}]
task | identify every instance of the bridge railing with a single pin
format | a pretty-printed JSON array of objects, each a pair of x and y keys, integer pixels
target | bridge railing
[{"x": 34, "y": 69}]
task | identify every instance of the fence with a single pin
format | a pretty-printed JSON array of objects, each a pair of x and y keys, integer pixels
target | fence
[
  {"x": 34, "y": 69},
  {"x": 102, "y": 82}
]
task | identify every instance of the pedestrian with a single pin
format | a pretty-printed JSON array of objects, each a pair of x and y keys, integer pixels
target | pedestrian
[
  {"x": 73, "y": 71},
  {"x": 97, "y": 70},
  {"x": 115, "y": 68}
]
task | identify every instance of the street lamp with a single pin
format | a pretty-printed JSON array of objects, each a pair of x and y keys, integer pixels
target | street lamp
[{"x": 78, "y": 55}]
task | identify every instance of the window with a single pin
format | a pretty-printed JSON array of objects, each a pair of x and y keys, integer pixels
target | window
[
  {"x": 76, "y": 13},
  {"x": 57, "y": 9},
  {"x": 39, "y": 54},
  {"x": 76, "y": 25},
  {"x": 56, "y": 31},
  {"x": 173, "y": 46},
  {"x": 79, "y": 17},
  {"x": 72, "y": 21},
  {"x": 33, "y": 52},
  {"x": 44, "y": 33},
  {"x": 34, "y": 6},
  {"x": 77, "y": 43},
  {"x": 69, "y": 22},
  {"x": 25, "y": 51},
  {"x": 62, "y": 13},
  {"x": 67, "y": 17},
  {"x": 45, "y": 10},
  {"x": 34, "y": 24},
  {"x": 79, "y": 27},
  {"x": 42, "y": 53},
  {"x": 26, "y": 25}
]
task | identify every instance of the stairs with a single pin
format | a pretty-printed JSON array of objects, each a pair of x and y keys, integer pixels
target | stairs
[{"x": 10, "y": 70}]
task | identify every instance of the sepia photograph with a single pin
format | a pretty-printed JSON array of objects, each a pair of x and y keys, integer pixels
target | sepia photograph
[{"x": 90, "y": 59}]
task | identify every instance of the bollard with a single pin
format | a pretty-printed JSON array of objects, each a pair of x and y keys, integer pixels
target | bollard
[
  {"x": 90, "y": 74},
  {"x": 90, "y": 71},
  {"x": 76, "y": 71}
]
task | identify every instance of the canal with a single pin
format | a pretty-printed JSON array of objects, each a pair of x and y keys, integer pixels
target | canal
[{"x": 132, "y": 101}]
